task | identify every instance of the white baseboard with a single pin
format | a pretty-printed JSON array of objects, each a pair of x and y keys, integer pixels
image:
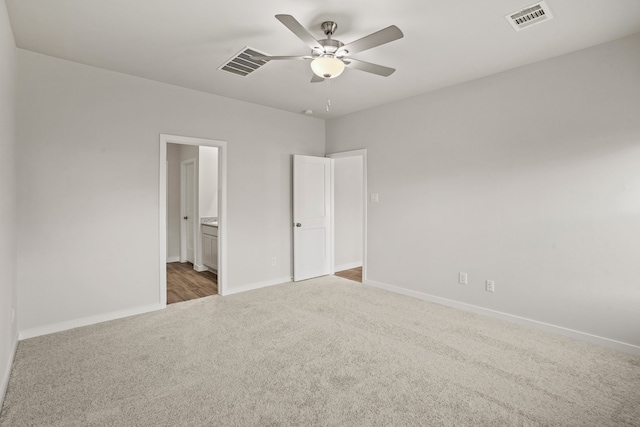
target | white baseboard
[
  {"x": 7, "y": 371},
  {"x": 70, "y": 324},
  {"x": 347, "y": 266},
  {"x": 173, "y": 259},
  {"x": 577, "y": 335},
  {"x": 200, "y": 268},
  {"x": 258, "y": 285}
]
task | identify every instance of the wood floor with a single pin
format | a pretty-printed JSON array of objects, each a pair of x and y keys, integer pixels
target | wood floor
[
  {"x": 354, "y": 274},
  {"x": 184, "y": 283}
]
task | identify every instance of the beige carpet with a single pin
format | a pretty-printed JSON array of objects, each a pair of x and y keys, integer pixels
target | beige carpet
[{"x": 323, "y": 352}]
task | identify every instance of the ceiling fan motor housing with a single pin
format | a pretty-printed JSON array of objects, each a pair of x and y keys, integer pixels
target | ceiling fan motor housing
[{"x": 329, "y": 47}]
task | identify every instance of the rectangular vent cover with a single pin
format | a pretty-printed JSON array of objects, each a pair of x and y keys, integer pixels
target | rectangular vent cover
[
  {"x": 242, "y": 64},
  {"x": 529, "y": 16}
]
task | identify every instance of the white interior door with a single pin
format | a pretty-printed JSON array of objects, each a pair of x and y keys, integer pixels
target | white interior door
[
  {"x": 188, "y": 229},
  {"x": 311, "y": 217}
]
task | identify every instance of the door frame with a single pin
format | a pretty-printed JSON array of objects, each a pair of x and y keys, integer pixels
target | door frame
[
  {"x": 162, "y": 209},
  {"x": 352, "y": 153},
  {"x": 183, "y": 209}
]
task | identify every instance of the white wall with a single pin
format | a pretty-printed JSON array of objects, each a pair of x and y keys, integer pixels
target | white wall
[
  {"x": 348, "y": 211},
  {"x": 188, "y": 152},
  {"x": 7, "y": 198},
  {"x": 208, "y": 181},
  {"x": 530, "y": 178},
  {"x": 88, "y": 163}
]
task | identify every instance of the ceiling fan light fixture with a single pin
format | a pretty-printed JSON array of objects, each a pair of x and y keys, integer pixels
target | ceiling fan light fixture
[{"x": 327, "y": 67}]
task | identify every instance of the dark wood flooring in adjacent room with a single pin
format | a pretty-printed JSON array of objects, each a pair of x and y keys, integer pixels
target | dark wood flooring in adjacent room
[
  {"x": 354, "y": 274},
  {"x": 184, "y": 283}
]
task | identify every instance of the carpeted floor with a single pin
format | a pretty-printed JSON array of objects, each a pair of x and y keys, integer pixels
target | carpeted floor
[{"x": 326, "y": 351}]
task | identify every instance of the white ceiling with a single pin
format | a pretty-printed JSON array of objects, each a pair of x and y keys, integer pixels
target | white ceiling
[{"x": 183, "y": 42}]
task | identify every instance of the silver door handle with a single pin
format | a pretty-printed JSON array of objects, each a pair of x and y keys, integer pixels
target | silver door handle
[{"x": 298, "y": 224}]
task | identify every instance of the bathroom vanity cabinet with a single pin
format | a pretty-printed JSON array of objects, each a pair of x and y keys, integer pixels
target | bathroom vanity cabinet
[{"x": 210, "y": 246}]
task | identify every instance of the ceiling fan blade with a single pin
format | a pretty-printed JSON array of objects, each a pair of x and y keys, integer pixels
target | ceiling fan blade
[
  {"x": 369, "y": 67},
  {"x": 296, "y": 28},
  {"x": 316, "y": 79},
  {"x": 270, "y": 58},
  {"x": 378, "y": 38}
]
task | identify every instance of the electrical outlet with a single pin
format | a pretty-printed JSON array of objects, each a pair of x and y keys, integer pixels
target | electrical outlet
[
  {"x": 373, "y": 198},
  {"x": 490, "y": 285},
  {"x": 462, "y": 278},
  {"x": 273, "y": 262}
]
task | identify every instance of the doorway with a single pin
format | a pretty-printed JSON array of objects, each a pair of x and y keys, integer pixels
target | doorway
[
  {"x": 350, "y": 214},
  {"x": 192, "y": 197},
  {"x": 334, "y": 221},
  {"x": 167, "y": 245}
]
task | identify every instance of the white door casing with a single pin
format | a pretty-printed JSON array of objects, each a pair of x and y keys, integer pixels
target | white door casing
[
  {"x": 188, "y": 210},
  {"x": 311, "y": 217}
]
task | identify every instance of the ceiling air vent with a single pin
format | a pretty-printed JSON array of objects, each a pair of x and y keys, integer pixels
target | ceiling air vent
[
  {"x": 529, "y": 16},
  {"x": 242, "y": 64}
]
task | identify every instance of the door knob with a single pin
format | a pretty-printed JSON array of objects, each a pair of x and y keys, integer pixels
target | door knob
[{"x": 298, "y": 224}]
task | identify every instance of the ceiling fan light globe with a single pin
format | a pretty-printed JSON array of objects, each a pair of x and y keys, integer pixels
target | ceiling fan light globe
[{"x": 327, "y": 67}]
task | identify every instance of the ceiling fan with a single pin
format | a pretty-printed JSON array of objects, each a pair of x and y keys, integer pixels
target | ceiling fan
[{"x": 329, "y": 56}]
